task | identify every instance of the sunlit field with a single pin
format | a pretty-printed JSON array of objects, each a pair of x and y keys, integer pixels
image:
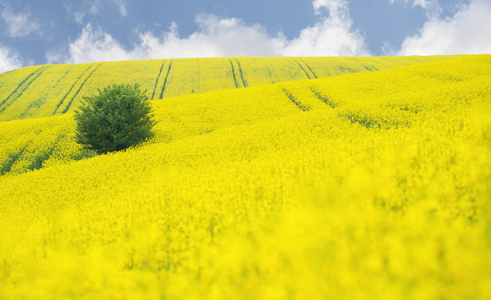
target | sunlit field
[
  {"x": 268, "y": 178},
  {"x": 43, "y": 91}
]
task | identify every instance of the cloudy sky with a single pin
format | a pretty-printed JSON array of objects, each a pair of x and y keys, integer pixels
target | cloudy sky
[{"x": 36, "y": 32}]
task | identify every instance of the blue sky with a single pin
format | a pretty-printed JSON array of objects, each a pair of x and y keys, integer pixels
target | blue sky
[{"x": 77, "y": 31}]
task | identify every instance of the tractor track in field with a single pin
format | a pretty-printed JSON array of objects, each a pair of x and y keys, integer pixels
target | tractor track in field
[
  {"x": 324, "y": 99},
  {"x": 241, "y": 75},
  {"x": 158, "y": 78},
  {"x": 301, "y": 67},
  {"x": 308, "y": 67},
  {"x": 80, "y": 88},
  {"x": 71, "y": 88},
  {"x": 295, "y": 101},
  {"x": 10, "y": 161},
  {"x": 19, "y": 90},
  {"x": 233, "y": 74},
  {"x": 165, "y": 80}
]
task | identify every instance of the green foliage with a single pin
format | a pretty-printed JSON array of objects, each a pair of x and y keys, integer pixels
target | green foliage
[{"x": 116, "y": 118}]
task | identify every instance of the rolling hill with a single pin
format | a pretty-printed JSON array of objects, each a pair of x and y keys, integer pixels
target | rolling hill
[
  {"x": 369, "y": 185},
  {"x": 47, "y": 90}
]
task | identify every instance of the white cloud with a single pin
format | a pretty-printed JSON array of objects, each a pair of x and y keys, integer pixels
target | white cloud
[
  {"x": 467, "y": 32},
  {"x": 432, "y": 7},
  {"x": 91, "y": 8},
  {"x": 8, "y": 61},
  {"x": 331, "y": 35},
  {"x": 79, "y": 10},
  {"x": 215, "y": 37},
  {"x": 121, "y": 4},
  {"x": 94, "y": 45},
  {"x": 18, "y": 25},
  {"x": 425, "y": 4},
  {"x": 333, "y": 6}
]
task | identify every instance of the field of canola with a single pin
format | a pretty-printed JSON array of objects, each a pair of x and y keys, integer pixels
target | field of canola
[
  {"x": 43, "y": 91},
  {"x": 374, "y": 185},
  {"x": 54, "y": 90}
]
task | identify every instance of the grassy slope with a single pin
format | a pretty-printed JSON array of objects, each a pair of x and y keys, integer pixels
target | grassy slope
[
  {"x": 362, "y": 186},
  {"x": 43, "y": 91}
]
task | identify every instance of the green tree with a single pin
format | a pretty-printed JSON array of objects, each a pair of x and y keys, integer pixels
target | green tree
[{"x": 117, "y": 117}]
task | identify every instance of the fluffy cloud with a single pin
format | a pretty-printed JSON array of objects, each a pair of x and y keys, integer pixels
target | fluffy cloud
[
  {"x": 8, "y": 61},
  {"x": 331, "y": 35},
  {"x": 467, "y": 32},
  {"x": 215, "y": 37},
  {"x": 96, "y": 45},
  {"x": 18, "y": 25}
]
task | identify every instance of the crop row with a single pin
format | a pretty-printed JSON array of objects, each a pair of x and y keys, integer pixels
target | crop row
[
  {"x": 55, "y": 89},
  {"x": 366, "y": 186}
]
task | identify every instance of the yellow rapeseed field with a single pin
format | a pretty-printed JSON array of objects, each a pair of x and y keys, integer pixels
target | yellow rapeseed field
[
  {"x": 43, "y": 91},
  {"x": 374, "y": 185}
]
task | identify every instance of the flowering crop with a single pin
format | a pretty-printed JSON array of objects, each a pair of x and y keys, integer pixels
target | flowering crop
[
  {"x": 43, "y": 91},
  {"x": 373, "y": 185}
]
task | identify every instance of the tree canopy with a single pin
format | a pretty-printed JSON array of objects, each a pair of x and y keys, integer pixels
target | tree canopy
[{"x": 117, "y": 117}]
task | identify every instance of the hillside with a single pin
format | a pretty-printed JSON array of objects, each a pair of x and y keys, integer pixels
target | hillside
[
  {"x": 43, "y": 91},
  {"x": 372, "y": 185}
]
